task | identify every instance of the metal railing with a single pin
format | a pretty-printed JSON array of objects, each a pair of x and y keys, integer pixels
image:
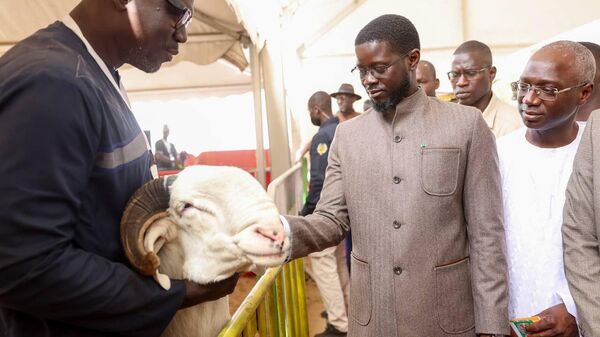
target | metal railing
[{"x": 276, "y": 305}]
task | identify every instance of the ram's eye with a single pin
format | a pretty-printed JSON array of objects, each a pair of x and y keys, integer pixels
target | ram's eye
[{"x": 187, "y": 205}]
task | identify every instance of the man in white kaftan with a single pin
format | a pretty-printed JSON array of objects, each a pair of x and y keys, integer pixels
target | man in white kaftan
[
  {"x": 534, "y": 180},
  {"x": 535, "y": 166}
]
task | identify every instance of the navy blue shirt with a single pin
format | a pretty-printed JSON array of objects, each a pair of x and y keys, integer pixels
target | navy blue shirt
[
  {"x": 72, "y": 155},
  {"x": 319, "y": 152}
]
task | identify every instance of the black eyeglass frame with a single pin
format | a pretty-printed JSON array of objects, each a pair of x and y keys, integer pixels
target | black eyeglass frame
[
  {"x": 378, "y": 70},
  {"x": 467, "y": 73}
]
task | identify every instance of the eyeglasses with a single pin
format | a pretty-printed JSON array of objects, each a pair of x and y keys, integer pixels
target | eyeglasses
[
  {"x": 378, "y": 70},
  {"x": 469, "y": 74},
  {"x": 186, "y": 14},
  {"x": 543, "y": 93}
]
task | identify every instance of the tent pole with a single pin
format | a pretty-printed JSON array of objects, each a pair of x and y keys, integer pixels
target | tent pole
[{"x": 258, "y": 118}]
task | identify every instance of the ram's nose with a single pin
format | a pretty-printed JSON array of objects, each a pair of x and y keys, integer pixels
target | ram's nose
[{"x": 276, "y": 236}]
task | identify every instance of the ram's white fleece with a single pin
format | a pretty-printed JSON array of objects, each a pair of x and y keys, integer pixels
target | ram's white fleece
[{"x": 224, "y": 223}]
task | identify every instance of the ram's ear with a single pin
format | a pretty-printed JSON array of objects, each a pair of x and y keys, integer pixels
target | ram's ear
[
  {"x": 160, "y": 232},
  {"x": 179, "y": 206}
]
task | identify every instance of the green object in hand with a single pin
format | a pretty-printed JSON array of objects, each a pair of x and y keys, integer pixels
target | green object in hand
[{"x": 516, "y": 323}]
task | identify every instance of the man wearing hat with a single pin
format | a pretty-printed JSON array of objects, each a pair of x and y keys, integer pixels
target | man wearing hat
[{"x": 345, "y": 98}]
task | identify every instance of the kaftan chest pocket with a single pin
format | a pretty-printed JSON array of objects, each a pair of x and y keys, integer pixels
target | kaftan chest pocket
[{"x": 439, "y": 170}]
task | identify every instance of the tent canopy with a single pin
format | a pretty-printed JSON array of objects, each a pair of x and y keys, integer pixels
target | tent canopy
[{"x": 215, "y": 33}]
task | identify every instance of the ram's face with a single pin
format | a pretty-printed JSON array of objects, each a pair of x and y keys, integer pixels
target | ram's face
[{"x": 227, "y": 223}]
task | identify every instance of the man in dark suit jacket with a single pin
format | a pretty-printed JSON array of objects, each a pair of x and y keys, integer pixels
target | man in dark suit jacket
[{"x": 165, "y": 153}]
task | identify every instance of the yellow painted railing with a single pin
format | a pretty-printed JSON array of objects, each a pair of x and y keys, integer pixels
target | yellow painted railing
[{"x": 276, "y": 305}]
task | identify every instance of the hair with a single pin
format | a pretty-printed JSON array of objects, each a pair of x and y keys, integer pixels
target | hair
[
  {"x": 396, "y": 30},
  {"x": 584, "y": 64},
  {"x": 595, "y": 49},
  {"x": 429, "y": 65},
  {"x": 474, "y": 46},
  {"x": 322, "y": 100}
]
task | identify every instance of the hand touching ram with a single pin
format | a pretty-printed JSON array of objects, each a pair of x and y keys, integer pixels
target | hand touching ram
[{"x": 203, "y": 225}]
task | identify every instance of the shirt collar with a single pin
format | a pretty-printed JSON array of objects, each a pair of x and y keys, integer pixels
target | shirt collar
[
  {"x": 491, "y": 111},
  {"x": 408, "y": 104},
  {"x": 113, "y": 77},
  {"x": 330, "y": 121}
]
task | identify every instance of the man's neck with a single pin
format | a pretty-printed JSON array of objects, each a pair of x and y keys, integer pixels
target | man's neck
[
  {"x": 324, "y": 119},
  {"x": 344, "y": 117},
  {"x": 556, "y": 137},
  {"x": 98, "y": 35},
  {"x": 484, "y": 101},
  {"x": 348, "y": 113}
]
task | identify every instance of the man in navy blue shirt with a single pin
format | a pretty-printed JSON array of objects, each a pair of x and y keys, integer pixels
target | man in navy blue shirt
[
  {"x": 328, "y": 267},
  {"x": 319, "y": 108},
  {"x": 73, "y": 154}
]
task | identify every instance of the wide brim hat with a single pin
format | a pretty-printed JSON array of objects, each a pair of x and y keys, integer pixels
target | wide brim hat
[{"x": 345, "y": 89}]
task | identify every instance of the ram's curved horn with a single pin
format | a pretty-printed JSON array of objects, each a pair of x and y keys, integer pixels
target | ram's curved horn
[{"x": 145, "y": 209}]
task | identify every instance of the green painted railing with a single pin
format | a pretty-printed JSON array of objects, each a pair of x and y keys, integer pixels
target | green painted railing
[{"x": 276, "y": 305}]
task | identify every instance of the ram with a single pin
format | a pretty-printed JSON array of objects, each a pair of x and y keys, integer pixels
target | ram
[{"x": 202, "y": 225}]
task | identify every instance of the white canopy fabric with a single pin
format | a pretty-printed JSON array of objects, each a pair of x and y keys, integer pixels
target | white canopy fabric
[
  {"x": 506, "y": 26},
  {"x": 301, "y": 46},
  {"x": 214, "y": 32}
]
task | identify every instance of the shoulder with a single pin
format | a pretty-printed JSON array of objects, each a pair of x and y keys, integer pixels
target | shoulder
[
  {"x": 325, "y": 133},
  {"x": 508, "y": 142},
  {"x": 51, "y": 56},
  {"x": 507, "y": 112},
  {"x": 453, "y": 116},
  {"x": 356, "y": 123},
  {"x": 442, "y": 106},
  {"x": 45, "y": 77},
  {"x": 592, "y": 122}
]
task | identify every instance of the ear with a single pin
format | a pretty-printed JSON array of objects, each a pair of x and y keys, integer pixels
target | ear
[
  {"x": 436, "y": 83},
  {"x": 492, "y": 73},
  {"x": 160, "y": 232},
  {"x": 413, "y": 58},
  {"x": 586, "y": 92},
  {"x": 121, "y": 5}
]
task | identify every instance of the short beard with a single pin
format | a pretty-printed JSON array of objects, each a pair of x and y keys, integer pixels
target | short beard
[{"x": 396, "y": 97}]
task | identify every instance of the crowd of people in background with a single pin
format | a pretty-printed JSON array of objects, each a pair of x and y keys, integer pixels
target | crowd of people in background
[{"x": 536, "y": 146}]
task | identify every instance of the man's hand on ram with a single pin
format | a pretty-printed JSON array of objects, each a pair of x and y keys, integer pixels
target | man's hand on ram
[{"x": 200, "y": 293}]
